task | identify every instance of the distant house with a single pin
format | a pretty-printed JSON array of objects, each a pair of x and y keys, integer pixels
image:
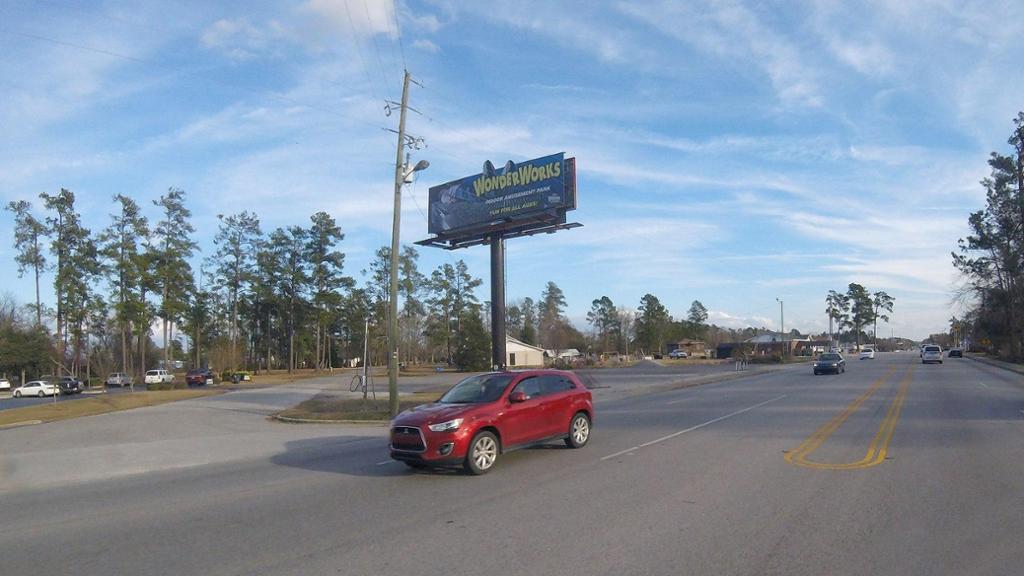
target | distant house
[
  {"x": 567, "y": 354},
  {"x": 693, "y": 348},
  {"x": 522, "y": 355}
]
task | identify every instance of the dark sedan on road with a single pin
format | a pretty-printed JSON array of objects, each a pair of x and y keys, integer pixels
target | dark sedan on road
[
  {"x": 829, "y": 363},
  {"x": 487, "y": 415},
  {"x": 955, "y": 353}
]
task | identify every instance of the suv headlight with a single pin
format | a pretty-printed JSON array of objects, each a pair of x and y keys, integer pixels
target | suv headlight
[{"x": 448, "y": 426}]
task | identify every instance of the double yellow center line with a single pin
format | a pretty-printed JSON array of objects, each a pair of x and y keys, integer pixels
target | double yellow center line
[{"x": 879, "y": 445}]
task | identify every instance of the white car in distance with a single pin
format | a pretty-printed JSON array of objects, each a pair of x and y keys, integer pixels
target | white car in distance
[
  {"x": 867, "y": 353},
  {"x": 158, "y": 377}
]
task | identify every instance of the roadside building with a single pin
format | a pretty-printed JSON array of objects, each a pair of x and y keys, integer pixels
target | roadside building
[
  {"x": 569, "y": 354},
  {"x": 693, "y": 348},
  {"x": 522, "y": 355}
]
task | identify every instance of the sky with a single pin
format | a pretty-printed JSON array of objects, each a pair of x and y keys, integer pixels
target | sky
[{"x": 728, "y": 152}]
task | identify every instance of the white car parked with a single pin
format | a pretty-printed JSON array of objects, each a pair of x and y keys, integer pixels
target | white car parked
[
  {"x": 158, "y": 377},
  {"x": 37, "y": 388},
  {"x": 867, "y": 354},
  {"x": 5, "y": 384}
]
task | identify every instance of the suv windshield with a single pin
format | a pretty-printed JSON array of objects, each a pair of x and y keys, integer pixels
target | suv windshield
[
  {"x": 476, "y": 389},
  {"x": 829, "y": 358},
  {"x": 931, "y": 349}
]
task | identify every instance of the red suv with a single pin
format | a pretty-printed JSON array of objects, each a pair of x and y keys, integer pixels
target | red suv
[{"x": 489, "y": 414}]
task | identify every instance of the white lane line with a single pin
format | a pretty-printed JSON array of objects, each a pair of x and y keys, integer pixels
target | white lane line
[
  {"x": 982, "y": 384},
  {"x": 386, "y": 462},
  {"x": 680, "y": 400},
  {"x": 691, "y": 428}
]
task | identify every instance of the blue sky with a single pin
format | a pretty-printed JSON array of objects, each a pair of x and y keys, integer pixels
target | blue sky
[{"x": 727, "y": 152}]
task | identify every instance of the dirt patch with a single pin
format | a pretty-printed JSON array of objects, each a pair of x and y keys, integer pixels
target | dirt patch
[{"x": 326, "y": 407}]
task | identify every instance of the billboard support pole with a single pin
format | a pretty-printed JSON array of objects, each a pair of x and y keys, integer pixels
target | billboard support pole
[{"x": 498, "y": 302}]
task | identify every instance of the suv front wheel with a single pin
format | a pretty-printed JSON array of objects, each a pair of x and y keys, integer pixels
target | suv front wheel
[
  {"x": 579, "y": 431},
  {"x": 483, "y": 453}
]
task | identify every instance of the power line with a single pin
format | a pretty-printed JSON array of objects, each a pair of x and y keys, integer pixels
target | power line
[
  {"x": 359, "y": 49},
  {"x": 376, "y": 46},
  {"x": 398, "y": 32}
]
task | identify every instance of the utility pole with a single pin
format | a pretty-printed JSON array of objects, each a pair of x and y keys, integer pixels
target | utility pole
[
  {"x": 393, "y": 284},
  {"x": 402, "y": 173},
  {"x": 782, "y": 328}
]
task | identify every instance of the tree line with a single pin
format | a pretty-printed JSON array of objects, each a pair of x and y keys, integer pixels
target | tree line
[
  {"x": 991, "y": 257},
  {"x": 856, "y": 309},
  {"x": 277, "y": 300},
  {"x": 280, "y": 300}
]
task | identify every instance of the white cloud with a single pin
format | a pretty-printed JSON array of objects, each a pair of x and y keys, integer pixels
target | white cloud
[
  {"x": 426, "y": 46},
  {"x": 727, "y": 320},
  {"x": 364, "y": 18},
  {"x": 731, "y": 31},
  {"x": 240, "y": 40}
]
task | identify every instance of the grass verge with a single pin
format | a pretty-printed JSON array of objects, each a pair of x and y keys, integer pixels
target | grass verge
[
  {"x": 64, "y": 410},
  {"x": 326, "y": 407}
]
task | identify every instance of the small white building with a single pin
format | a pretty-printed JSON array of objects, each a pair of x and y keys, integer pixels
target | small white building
[
  {"x": 522, "y": 355},
  {"x": 567, "y": 354}
]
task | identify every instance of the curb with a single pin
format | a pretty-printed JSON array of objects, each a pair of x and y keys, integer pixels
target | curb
[
  {"x": 311, "y": 421},
  {"x": 998, "y": 364},
  {"x": 20, "y": 424}
]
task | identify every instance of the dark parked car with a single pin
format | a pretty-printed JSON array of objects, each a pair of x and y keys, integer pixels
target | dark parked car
[
  {"x": 829, "y": 363},
  {"x": 199, "y": 377},
  {"x": 67, "y": 384},
  {"x": 487, "y": 415},
  {"x": 955, "y": 353}
]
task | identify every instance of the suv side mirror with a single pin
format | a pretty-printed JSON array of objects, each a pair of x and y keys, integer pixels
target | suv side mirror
[{"x": 518, "y": 396}]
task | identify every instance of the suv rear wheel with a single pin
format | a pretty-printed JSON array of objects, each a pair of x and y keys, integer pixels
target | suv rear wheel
[
  {"x": 483, "y": 453},
  {"x": 579, "y": 431}
]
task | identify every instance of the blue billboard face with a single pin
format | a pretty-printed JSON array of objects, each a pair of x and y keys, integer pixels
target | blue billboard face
[{"x": 498, "y": 199}]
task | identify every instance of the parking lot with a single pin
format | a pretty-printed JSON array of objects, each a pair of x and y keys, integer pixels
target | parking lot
[{"x": 8, "y": 401}]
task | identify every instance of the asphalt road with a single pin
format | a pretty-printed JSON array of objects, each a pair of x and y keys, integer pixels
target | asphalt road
[
  {"x": 891, "y": 468},
  {"x": 7, "y": 400}
]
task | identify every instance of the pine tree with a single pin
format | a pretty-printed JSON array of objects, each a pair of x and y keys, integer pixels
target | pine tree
[
  {"x": 76, "y": 263},
  {"x": 236, "y": 240},
  {"x": 652, "y": 323},
  {"x": 29, "y": 234},
  {"x": 325, "y": 275},
  {"x": 119, "y": 247},
  {"x": 174, "y": 246}
]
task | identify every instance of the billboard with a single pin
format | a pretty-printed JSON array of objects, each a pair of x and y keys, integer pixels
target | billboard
[{"x": 538, "y": 190}]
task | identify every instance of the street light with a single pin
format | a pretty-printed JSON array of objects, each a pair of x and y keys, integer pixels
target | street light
[
  {"x": 402, "y": 174},
  {"x": 782, "y": 327},
  {"x": 421, "y": 165}
]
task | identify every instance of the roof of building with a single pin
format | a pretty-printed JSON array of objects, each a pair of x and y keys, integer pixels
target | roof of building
[{"x": 511, "y": 340}]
